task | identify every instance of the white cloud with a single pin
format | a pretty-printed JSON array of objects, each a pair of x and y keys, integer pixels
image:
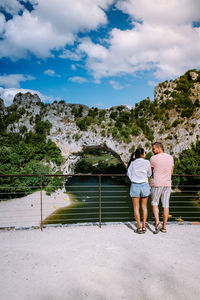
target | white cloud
[
  {"x": 73, "y": 67},
  {"x": 13, "y": 80},
  {"x": 2, "y": 23},
  {"x": 50, "y": 26},
  {"x": 67, "y": 54},
  {"x": 165, "y": 12},
  {"x": 162, "y": 38},
  {"x": 28, "y": 34},
  {"x": 51, "y": 73},
  {"x": 14, "y": 6},
  {"x": 11, "y": 6},
  {"x": 8, "y": 95},
  {"x": 78, "y": 79},
  {"x": 99, "y": 105},
  {"x": 116, "y": 85},
  {"x": 163, "y": 41}
]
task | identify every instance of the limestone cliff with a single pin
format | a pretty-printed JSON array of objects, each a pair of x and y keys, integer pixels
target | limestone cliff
[{"x": 172, "y": 117}]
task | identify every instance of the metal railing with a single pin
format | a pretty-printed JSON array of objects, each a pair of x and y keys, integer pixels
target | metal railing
[{"x": 84, "y": 198}]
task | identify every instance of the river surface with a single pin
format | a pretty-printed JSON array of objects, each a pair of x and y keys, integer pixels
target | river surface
[{"x": 116, "y": 204}]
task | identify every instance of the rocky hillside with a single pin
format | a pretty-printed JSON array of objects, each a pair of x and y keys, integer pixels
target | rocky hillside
[{"x": 172, "y": 117}]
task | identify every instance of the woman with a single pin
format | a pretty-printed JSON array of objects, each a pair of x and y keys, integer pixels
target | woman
[{"x": 138, "y": 171}]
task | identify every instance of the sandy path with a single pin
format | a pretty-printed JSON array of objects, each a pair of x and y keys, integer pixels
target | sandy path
[
  {"x": 111, "y": 263},
  {"x": 26, "y": 211}
]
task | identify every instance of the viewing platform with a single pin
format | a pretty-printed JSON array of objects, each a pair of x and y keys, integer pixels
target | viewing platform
[{"x": 112, "y": 263}]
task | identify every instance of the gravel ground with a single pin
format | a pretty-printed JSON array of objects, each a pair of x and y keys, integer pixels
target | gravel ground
[{"x": 86, "y": 262}]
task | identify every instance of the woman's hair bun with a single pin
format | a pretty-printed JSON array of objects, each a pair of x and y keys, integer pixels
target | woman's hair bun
[{"x": 139, "y": 152}]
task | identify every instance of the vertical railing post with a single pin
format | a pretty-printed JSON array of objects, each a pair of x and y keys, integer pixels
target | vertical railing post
[
  {"x": 41, "y": 223},
  {"x": 100, "y": 201}
]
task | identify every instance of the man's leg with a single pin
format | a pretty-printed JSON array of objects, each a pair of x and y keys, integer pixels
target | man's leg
[
  {"x": 144, "y": 211},
  {"x": 165, "y": 203},
  {"x": 156, "y": 214},
  {"x": 165, "y": 216},
  {"x": 155, "y": 197},
  {"x": 136, "y": 207}
]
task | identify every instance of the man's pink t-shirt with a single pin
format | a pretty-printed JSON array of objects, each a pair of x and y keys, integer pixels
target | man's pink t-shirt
[{"x": 162, "y": 164}]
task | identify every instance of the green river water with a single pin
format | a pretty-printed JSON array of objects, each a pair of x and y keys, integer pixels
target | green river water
[{"x": 116, "y": 204}]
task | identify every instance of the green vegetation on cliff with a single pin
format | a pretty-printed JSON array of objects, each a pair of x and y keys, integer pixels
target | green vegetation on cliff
[
  {"x": 188, "y": 163},
  {"x": 123, "y": 124},
  {"x": 28, "y": 153}
]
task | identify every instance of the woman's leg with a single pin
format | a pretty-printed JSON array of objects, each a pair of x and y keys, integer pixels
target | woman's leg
[
  {"x": 136, "y": 207},
  {"x": 144, "y": 211}
]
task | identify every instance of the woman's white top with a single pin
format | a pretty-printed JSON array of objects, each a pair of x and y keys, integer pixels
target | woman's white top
[{"x": 139, "y": 170}]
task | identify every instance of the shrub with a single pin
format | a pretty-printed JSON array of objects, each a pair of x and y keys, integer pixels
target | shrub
[
  {"x": 166, "y": 92},
  {"x": 103, "y": 133},
  {"x": 77, "y": 111},
  {"x": 135, "y": 131},
  {"x": 102, "y": 113},
  {"x": 197, "y": 103},
  {"x": 147, "y": 144},
  {"x": 82, "y": 125},
  {"x": 175, "y": 123},
  {"x": 113, "y": 115}
]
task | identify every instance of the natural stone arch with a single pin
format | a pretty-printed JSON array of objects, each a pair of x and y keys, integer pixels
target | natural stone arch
[
  {"x": 105, "y": 148},
  {"x": 73, "y": 154}
]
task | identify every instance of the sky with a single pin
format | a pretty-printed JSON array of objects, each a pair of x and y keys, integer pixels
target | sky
[{"x": 100, "y": 53}]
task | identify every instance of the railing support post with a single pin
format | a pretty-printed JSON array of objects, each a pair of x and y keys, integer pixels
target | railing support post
[
  {"x": 100, "y": 201},
  {"x": 41, "y": 222}
]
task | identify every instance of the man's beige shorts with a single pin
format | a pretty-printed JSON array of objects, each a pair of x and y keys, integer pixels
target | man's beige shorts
[{"x": 161, "y": 192}]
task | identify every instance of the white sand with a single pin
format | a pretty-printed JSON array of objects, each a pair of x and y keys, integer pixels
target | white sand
[
  {"x": 26, "y": 211},
  {"x": 111, "y": 263}
]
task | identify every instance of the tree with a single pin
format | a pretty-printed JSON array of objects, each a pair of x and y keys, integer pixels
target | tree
[{"x": 188, "y": 163}]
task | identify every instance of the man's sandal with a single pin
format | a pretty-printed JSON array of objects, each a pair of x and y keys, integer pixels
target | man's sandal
[
  {"x": 139, "y": 230},
  {"x": 163, "y": 230},
  {"x": 157, "y": 228}
]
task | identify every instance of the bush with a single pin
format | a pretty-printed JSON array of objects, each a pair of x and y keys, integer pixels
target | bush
[
  {"x": 197, "y": 103},
  {"x": 42, "y": 127},
  {"x": 124, "y": 117},
  {"x": 135, "y": 131},
  {"x": 82, "y": 125},
  {"x": 166, "y": 92},
  {"x": 103, "y": 133},
  {"x": 93, "y": 112},
  {"x": 113, "y": 115},
  {"x": 77, "y": 137},
  {"x": 78, "y": 112},
  {"x": 175, "y": 123}
]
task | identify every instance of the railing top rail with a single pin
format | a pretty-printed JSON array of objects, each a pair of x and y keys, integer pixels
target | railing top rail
[{"x": 89, "y": 175}]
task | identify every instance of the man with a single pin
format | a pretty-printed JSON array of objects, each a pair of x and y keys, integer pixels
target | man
[{"x": 162, "y": 165}]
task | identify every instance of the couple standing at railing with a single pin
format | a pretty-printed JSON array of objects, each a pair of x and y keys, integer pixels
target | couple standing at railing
[{"x": 160, "y": 167}]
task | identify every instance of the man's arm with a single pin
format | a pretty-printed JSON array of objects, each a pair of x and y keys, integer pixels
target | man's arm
[
  {"x": 172, "y": 171},
  {"x": 152, "y": 167}
]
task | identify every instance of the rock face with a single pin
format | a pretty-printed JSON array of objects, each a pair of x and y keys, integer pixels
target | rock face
[
  {"x": 22, "y": 99},
  {"x": 72, "y": 141}
]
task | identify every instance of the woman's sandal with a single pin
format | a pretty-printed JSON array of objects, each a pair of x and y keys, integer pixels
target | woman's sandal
[
  {"x": 139, "y": 230},
  {"x": 144, "y": 229},
  {"x": 163, "y": 230}
]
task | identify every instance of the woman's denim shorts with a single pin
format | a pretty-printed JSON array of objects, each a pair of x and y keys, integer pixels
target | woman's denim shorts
[{"x": 140, "y": 190}]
